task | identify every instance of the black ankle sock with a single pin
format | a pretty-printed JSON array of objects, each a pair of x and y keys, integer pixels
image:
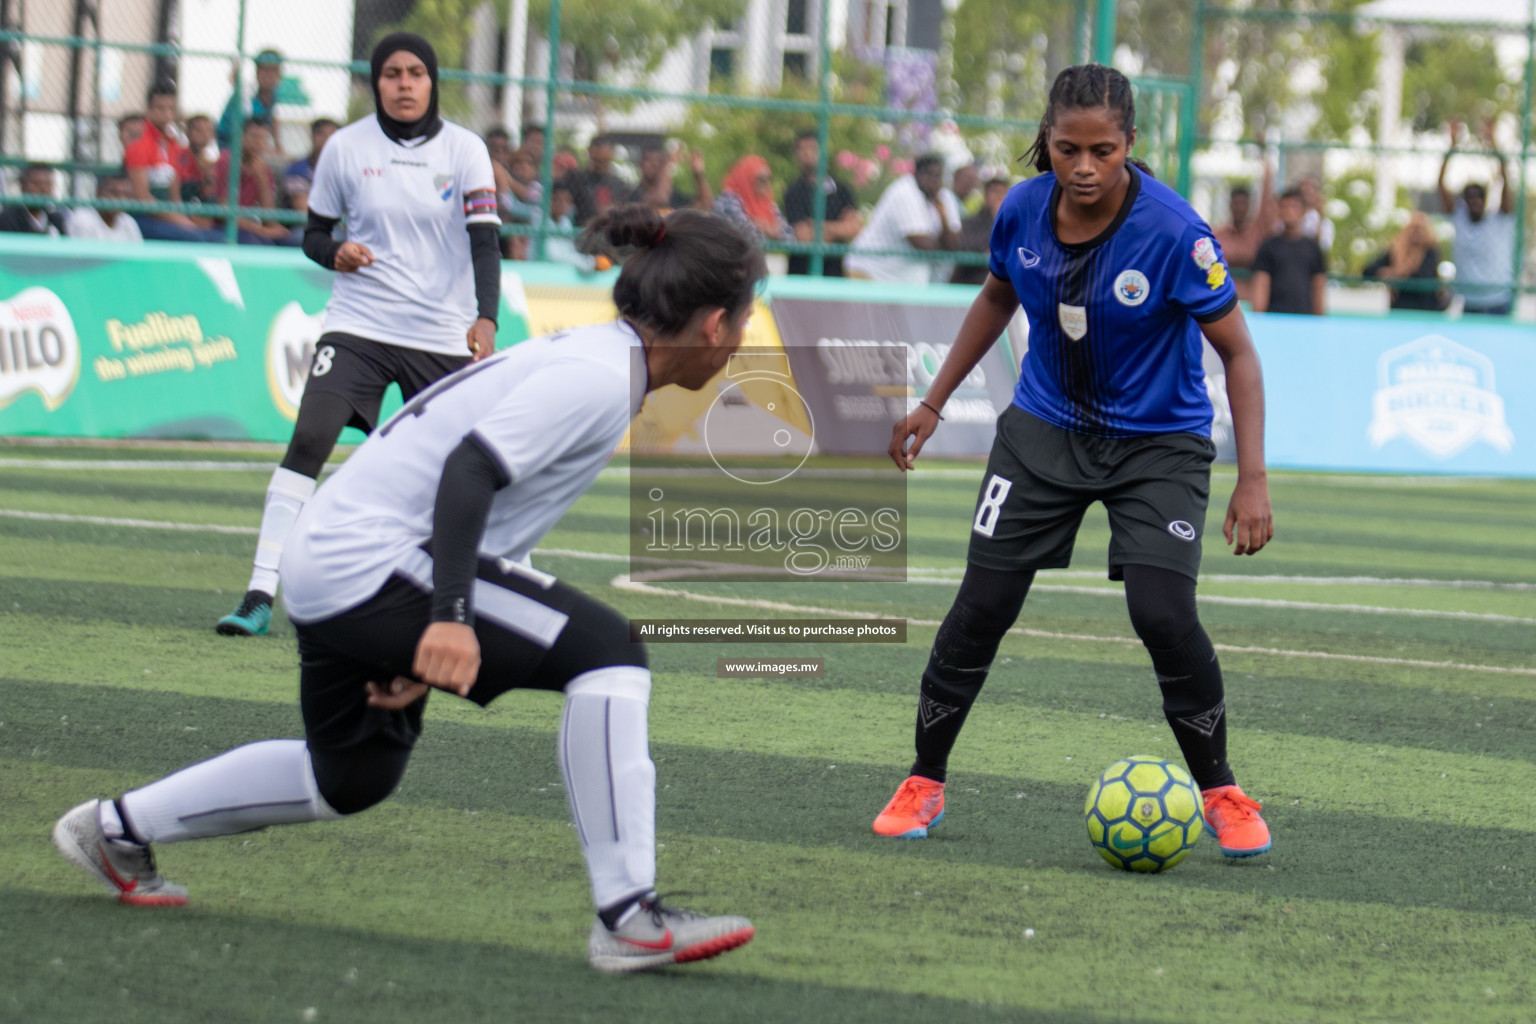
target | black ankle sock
[
  {"x": 129, "y": 832},
  {"x": 610, "y": 915},
  {"x": 257, "y": 596},
  {"x": 1194, "y": 703}
]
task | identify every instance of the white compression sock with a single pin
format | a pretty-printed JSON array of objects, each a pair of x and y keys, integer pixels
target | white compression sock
[
  {"x": 286, "y": 495},
  {"x": 250, "y": 787},
  {"x": 610, "y": 779}
]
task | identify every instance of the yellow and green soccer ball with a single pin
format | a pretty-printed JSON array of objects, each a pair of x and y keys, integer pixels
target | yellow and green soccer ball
[{"x": 1144, "y": 814}]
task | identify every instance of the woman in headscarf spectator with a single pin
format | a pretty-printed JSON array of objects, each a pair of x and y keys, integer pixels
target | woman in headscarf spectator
[
  {"x": 746, "y": 199},
  {"x": 1412, "y": 255}
]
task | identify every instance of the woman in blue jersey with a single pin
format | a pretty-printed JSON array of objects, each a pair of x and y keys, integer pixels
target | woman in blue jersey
[{"x": 1119, "y": 279}]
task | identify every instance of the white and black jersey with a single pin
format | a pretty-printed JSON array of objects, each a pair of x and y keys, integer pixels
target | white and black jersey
[
  {"x": 410, "y": 203},
  {"x": 550, "y": 411}
]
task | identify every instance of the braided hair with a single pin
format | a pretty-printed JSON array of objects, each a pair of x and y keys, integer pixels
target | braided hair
[{"x": 1085, "y": 87}]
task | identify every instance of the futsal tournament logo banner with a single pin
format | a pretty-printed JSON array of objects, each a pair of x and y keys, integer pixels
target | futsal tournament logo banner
[
  {"x": 290, "y": 350},
  {"x": 1439, "y": 395},
  {"x": 39, "y": 349}
]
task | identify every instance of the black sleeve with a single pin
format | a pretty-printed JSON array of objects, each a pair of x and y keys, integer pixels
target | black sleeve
[
  {"x": 471, "y": 478},
  {"x": 1377, "y": 265},
  {"x": 485, "y": 252},
  {"x": 318, "y": 243},
  {"x": 1263, "y": 260}
]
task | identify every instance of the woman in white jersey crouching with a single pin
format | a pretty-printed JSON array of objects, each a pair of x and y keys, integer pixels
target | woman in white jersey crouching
[
  {"x": 419, "y": 275},
  {"x": 402, "y": 574}
]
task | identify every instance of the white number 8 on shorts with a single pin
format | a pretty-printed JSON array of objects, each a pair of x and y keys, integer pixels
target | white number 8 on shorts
[{"x": 991, "y": 505}]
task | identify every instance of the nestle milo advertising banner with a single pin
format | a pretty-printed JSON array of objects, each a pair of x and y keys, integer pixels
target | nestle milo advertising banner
[
  {"x": 862, "y": 366},
  {"x": 1409, "y": 395},
  {"x": 163, "y": 340}
]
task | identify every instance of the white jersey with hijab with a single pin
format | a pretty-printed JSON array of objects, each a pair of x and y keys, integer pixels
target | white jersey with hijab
[
  {"x": 411, "y": 204},
  {"x": 551, "y": 411}
]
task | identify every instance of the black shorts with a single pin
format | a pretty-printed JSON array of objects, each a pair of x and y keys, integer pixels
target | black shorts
[
  {"x": 1041, "y": 479},
  {"x": 534, "y": 631},
  {"x": 359, "y": 370}
]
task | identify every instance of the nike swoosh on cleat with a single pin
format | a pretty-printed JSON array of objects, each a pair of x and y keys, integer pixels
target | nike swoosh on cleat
[
  {"x": 126, "y": 887},
  {"x": 1114, "y": 840},
  {"x": 665, "y": 942}
]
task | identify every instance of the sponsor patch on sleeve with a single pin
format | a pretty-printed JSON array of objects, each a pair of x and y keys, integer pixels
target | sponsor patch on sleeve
[{"x": 1216, "y": 276}]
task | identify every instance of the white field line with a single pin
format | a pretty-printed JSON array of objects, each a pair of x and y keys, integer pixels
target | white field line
[
  {"x": 625, "y": 583},
  {"x": 115, "y": 464},
  {"x": 1259, "y": 602},
  {"x": 142, "y": 524}
]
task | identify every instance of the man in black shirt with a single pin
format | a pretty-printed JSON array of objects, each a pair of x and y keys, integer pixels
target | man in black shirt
[
  {"x": 657, "y": 187},
  {"x": 1290, "y": 271},
  {"x": 976, "y": 231},
  {"x": 595, "y": 188},
  {"x": 842, "y": 216},
  {"x": 36, "y": 180}
]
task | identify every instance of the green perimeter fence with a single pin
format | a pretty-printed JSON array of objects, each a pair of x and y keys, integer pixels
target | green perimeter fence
[{"x": 1357, "y": 95}]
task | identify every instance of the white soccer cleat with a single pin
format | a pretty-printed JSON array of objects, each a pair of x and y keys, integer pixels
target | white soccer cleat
[
  {"x": 655, "y": 936},
  {"x": 125, "y": 868}
]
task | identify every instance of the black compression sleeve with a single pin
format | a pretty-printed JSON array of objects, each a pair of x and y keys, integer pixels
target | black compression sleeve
[
  {"x": 471, "y": 478},
  {"x": 318, "y": 243},
  {"x": 485, "y": 251}
]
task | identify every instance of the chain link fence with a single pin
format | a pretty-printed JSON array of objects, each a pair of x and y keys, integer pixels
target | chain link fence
[{"x": 1359, "y": 100}]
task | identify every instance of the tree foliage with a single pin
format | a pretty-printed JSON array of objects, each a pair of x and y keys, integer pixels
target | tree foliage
[{"x": 634, "y": 35}]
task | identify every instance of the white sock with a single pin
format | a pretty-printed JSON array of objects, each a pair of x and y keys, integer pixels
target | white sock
[
  {"x": 250, "y": 787},
  {"x": 610, "y": 779},
  {"x": 286, "y": 495}
]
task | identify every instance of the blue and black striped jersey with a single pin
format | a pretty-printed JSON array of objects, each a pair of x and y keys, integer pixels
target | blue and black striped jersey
[{"x": 1114, "y": 336}]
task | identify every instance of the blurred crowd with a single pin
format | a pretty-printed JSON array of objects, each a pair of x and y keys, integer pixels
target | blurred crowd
[{"x": 1276, "y": 243}]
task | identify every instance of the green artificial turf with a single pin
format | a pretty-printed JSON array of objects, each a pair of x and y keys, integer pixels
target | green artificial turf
[{"x": 1402, "y": 795}]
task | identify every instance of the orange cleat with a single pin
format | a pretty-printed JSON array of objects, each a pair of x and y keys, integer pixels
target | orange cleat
[
  {"x": 917, "y": 806},
  {"x": 1233, "y": 818}
]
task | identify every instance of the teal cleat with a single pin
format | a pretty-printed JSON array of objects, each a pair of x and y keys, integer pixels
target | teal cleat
[{"x": 252, "y": 618}]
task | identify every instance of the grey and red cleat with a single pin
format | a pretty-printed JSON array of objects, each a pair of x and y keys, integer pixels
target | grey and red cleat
[
  {"x": 655, "y": 936},
  {"x": 125, "y": 868}
]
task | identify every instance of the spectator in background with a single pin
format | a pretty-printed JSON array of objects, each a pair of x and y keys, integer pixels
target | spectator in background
[
  {"x": 269, "y": 75},
  {"x": 498, "y": 143},
  {"x": 258, "y": 187},
  {"x": 1241, "y": 236},
  {"x": 1484, "y": 250},
  {"x": 563, "y": 249},
  {"x": 153, "y": 163},
  {"x": 1290, "y": 271},
  {"x": 1314, "y": 221},
  {"x": 1413, "y": 256},
  {"x": 129, "y": 128},
  {"x": 105, "y": 225},
  {"x": 36, "y": 180},
  {"x": 533, "y": 143},
  {"x": 196, "y": 168},
  {"x": 917, "y": 214},
  {"x": 595, "y": 188},
  {"x": 657, "y": 187},
  {"x": 300, "y": 174},
  {"x": 746, "y": 200},
  {"x": 963, "y": 184},
  {"x": 842, "y": 220},
  {"x": 565, "y": 162},
  {"x": 976, "y": 231},
  {"x": 518, "y": 198}
]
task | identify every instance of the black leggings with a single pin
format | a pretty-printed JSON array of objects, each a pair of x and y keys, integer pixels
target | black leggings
[{"x": 322, "y": 416}]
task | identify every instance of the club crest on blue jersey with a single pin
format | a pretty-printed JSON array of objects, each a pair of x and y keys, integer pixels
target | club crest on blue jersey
[
  {"x": 1131, "y": 288},
  {"x": 443, "y": 185},
  {"x": 1028, "y": 259},
  {"x": 1074, "y": 320}
]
